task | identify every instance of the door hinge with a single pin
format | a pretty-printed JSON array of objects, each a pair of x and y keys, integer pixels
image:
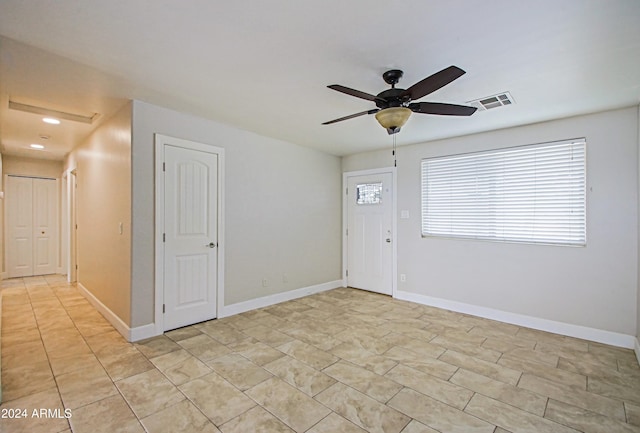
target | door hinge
[
  {"x": 346, "y": 191},
  {"x": 162, "y": 308},
  {"x": 76, "y": 267},
  {"x": 164, "y": 166},
  {"x": 164, "y": 237},
  {"x": 347, "y": 232},
  {"x": 347, "y": 272}
]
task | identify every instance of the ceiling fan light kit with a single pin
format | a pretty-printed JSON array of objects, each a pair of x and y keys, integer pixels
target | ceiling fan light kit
[
  {"x": 393, "y": 118},
  {"x": 395, "y": 105}
]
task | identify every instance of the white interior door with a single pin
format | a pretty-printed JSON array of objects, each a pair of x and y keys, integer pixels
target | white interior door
[
  {"x": 45, "y": 226},
  {"x": 32, "y": 226},
  {"x": 20, "y": 226},
  {"x": 370, "y": 232},
  {"x": 190, "y": 253}
]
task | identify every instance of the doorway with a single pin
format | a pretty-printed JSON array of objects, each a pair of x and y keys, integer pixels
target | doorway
[
  {"x": 369, "y": 252},
  {"x": 32, "y": 226},
  {"x": 71, "y": 225},
  {"x": 189, "y": 250}
]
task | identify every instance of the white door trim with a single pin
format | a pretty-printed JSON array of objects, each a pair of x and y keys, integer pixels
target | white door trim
[
  {"x": 160, "y": 141},
  {"x": 63, "y": 267},
  {"x": 69, "y": 211},
  {"x": 394, "y": 224}
]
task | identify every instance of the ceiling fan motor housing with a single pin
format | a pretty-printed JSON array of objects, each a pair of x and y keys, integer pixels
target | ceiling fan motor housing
[{"x": 392, "y": 98}]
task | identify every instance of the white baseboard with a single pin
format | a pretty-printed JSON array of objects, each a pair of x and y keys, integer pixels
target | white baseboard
[
  {"x": 570, "y": 330},
  {"x": 115, "y": 321},
  {"x": 131, "y": 334},
  {"x": 147, "y": 331},
  {"x": 142, "y": 332},
  {"x": 637, "y": 349},
  {"x": 265, "y": 301}
]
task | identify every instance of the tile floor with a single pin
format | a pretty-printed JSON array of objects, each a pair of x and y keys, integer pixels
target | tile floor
[{"x": 342, "y": 361}]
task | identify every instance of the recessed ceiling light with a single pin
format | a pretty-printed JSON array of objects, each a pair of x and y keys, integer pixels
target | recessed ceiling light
[
  {"x": 37, "y": 146},
  {"x": 51, "y": 121}
]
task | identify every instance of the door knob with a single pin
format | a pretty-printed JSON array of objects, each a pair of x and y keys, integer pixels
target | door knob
[
  {"x": 211, "y": 245},
  {"x": 388, "y": 240}
]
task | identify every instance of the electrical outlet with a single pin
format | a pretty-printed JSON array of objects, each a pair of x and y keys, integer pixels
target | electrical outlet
[
  {"x": 265, "y": 282},
  {"x": 403, "y": 278},
  {"x": 285, "y": 278}
]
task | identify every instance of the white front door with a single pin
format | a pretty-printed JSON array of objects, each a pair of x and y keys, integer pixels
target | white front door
[
  {"x": 191, "y": 236},
  {"x": 32, "y": 226},
  {"x": 370, "y": 232}
]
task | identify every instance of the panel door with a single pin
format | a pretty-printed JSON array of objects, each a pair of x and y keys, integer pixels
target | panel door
[
  {"x": 369, "y": 232},
  {"x": 45, "y": 226},
  {"x": 190, "y": 262},
  {"x": 20, "y": 226}
]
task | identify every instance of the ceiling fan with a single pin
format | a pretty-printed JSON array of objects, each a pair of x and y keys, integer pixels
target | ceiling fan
[{"x": 395, "y": 105}]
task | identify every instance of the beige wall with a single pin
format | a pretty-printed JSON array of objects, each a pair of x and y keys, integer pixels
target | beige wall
[
  {"x": 1, "y": 237},
  {"x": 22, "y": 166},
  {"x": 31, "y": 167},
  {"x": 103, "y": 173}
]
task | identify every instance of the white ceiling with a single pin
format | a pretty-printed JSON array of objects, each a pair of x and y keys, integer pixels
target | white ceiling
[{"x": 264, "y": 66}]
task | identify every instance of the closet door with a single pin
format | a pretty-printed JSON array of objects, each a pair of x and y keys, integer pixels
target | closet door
[
  {"x": 20, "y": 226},
  {"x": 45, "y": 226},
  {"x": 32, "y": 226}
]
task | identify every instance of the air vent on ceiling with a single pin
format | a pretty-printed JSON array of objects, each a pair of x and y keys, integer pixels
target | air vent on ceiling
[
  {"x": 494, "y": 101},
  {"x": 58, "y": 114}
]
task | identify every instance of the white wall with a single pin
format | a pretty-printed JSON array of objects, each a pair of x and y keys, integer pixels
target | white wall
[
  {"x": 595, "y": 286},
  {"x": 638, "y": 294},
  {"x": 282, "y": 210}
]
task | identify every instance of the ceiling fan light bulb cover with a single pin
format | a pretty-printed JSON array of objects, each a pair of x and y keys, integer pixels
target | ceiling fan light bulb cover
[{"x": 394, "y": 117}]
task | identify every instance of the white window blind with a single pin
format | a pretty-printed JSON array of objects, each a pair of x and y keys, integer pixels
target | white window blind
[{"x": 533, "y": 194}]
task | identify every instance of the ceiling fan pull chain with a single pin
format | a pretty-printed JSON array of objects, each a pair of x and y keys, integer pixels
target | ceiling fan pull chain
[{"x": 394, "y": 151}]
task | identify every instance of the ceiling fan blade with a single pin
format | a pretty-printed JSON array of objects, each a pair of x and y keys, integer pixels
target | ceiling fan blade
[
  {"x": 352, "y": 92},
  {"x": 434, "y": 82},
  {"x": 442, "y": 109},
  {"x": 351, "y": 116}
]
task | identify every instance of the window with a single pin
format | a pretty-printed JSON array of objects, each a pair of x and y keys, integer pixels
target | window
[
  {"x": 532, "y": 194},
  {"x": 369, "y": 193}
]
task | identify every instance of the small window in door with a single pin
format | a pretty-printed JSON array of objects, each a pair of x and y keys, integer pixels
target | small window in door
[{"x": 369, "y": 193}]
